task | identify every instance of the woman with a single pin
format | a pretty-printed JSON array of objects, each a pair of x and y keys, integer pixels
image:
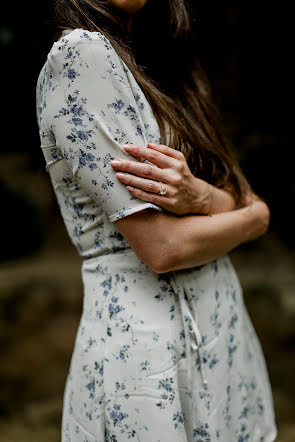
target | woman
[{"x": 165, "y": 350}]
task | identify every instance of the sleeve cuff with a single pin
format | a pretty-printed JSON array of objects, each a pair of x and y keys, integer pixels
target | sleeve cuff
[{"x": 126, "y": 212}]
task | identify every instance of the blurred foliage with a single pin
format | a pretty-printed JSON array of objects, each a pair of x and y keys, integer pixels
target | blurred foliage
[{"x": 21, "y": 224}]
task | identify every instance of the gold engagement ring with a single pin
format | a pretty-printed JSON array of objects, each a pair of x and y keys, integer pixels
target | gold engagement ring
[{"x": 163, "y": 189}]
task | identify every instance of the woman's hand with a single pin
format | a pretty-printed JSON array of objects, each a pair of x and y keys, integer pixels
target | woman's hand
[{"x": 184, "y": 192}]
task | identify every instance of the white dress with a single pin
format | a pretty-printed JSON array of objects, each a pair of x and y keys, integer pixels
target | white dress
[{"x": 157, "y": 357}]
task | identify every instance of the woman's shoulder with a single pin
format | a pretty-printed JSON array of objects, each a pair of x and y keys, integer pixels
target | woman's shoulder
[
  {"x": 78, "y": 37},
  {"x": 78, "y": 48}
]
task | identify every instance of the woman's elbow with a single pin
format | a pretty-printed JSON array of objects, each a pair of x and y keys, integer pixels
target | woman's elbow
[
  {"x": 161, "y": 261},
  {"x": 150, "y": 239},
  {"x": 159, "y": 268}
]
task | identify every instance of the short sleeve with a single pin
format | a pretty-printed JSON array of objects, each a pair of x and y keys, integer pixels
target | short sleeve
[{"x": 91, "y": 112}]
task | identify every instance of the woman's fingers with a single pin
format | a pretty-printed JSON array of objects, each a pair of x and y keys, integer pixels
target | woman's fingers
[
  {"x": 140, "y": 169},
  {"x": 140, "y": 183},
  {"x": 143, "y": 179},
  {"x": 167, "y": 151},
  {"x": 161, "y": 201},
  {"x": 153, "y": 156}
]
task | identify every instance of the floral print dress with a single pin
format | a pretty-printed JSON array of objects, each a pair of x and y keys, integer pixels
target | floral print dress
[{"x": 157, "y": 357}]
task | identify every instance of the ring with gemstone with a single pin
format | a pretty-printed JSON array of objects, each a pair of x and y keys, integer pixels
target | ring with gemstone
[{"x": 163, "y": 190}]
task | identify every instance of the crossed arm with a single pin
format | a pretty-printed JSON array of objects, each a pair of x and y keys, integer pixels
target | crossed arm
[
  {"x": 167, "y": 242},
  {"x": 183, "y": 238}
]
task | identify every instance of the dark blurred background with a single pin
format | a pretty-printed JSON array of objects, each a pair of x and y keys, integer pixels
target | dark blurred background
[{"x": 246, "y": 48}]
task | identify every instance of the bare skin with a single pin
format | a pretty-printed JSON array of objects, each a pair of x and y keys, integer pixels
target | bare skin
[
  {"x": 181, "y": 237},
  {"x": 167, "y": 242},
  {"x": 185, "y": 193},
  {"x": 177, "y": 240},
  {"x": 129, "y": 6}
]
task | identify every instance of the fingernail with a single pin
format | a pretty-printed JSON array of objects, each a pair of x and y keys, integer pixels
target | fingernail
[
  {"x": 152, "y": 144},
  {"x": 130, "y": 188},
  {"x": 116, "y": 163},
  {"x": 120, "y": 175},
  {"x": 127, "y": 146}
]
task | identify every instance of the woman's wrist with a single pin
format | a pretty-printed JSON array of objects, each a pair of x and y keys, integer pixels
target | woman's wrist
[{"x": 211, "y": 200}]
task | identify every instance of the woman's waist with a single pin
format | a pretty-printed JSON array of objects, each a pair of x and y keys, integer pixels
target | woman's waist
[
  {"x": 124, "y": 260},
  {"x": 121, "y": 259}
]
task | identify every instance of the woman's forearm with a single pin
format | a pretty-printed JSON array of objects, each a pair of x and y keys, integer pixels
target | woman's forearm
[
  {"x": 167, "y": 242},
  {"x": 198, "y": 240},
  {"x": 211, "y": 199}
]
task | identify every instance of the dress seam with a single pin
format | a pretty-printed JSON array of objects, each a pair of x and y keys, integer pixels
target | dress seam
[{"x": 116, "y": 216}]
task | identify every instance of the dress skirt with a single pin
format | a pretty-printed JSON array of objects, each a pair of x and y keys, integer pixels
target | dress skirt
[{"x": 138, "y": 370}]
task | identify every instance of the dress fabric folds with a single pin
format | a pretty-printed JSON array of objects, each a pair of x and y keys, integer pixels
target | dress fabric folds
[{"x": 157, "y": 357}]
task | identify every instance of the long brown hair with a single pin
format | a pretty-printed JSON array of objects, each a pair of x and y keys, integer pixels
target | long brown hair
[{"x": 171, "y": 78}]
